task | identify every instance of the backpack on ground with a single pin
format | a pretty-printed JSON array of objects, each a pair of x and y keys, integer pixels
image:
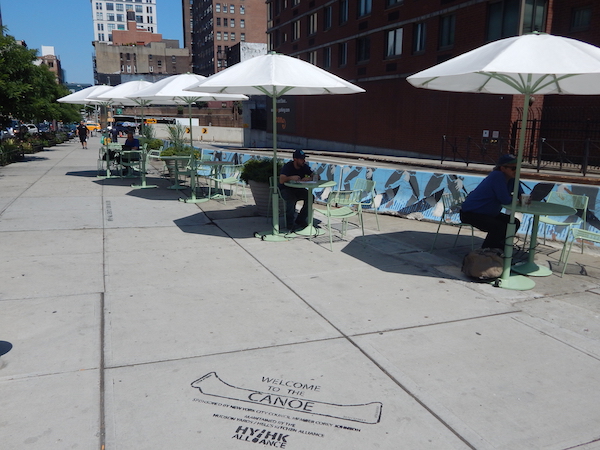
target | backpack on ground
[{"x": 483, "y": 264}]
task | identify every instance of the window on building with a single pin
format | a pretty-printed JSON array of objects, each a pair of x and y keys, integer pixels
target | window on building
[
  {"x": 224, "y": 8},
  {"x": 128, "y": 68},
  {"x": 98, "y": 6},
  {"x": 363, "y": 49},
  {"x": 311, "y": 57},
  {"x": 327, "y": 57},
  {"x": 243, "y": 37},
  {"x": 327, "y": 17},
  {"x": 342, "y": 54},
  {"x": 232, "y": 23},
  {"x": 110, "y": 16},
  {"x": 218, "y": 35},
  {"x": 138, "y": 9},
  {"x": 128, "y": 7},
  {"x": 225, "y": 22},
  {"x": 100, "y": 27},
  {"x": 225, "y": 36},
  {"x": 150, "y": 19},
  {"x": 242, "y": 23},
  {"x": 121, "y": 18},
  {"x": 101, "y": 37},
  {"x": 390, "y": 3},
  {"x": 343, "y": 11},
  {"x": 503, "y": 19},
  {"x": 581, "y": 18},
  {"x": 295, "y": 3},
  {"x": 111, "y": 26},
  {"x": 149, "y": 9},
  {"x": 447, "y": 25},
  {"x": 418, "y": 45},
  {"x": 295, "y": 30},
  {"x": 119, "y": 7},
  {"x": 364, "y": 7},
  {"x": 393, "y": 44},
  {"x": 534, "y": 15},
  {"x": 139, "y": 19},
  {"x": 232, "y": 36},
  {"x": 99, "y": 16},
  {"x": 159, "y": 63},
  {"x": 217, "y": 7},
  {"x": 120, "y": 27},
  {"x": 218, "y": 21},
  {"x": 242, "y": 9},
  {"x": 312, "y": 24},
  {"x": 110, "y": 6},
  {"x": 231, "y": 9}
]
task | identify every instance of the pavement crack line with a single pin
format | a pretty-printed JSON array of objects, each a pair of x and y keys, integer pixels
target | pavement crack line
[{"x": 359, "y": 348}]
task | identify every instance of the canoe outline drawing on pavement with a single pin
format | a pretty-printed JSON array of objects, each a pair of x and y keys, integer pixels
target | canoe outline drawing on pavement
[{"x": 211, "y": 384}]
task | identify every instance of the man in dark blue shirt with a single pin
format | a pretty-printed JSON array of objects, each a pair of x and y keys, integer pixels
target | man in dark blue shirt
[
  {"x": 482, "y": 207},
  {"x": 295, "y": 170}
]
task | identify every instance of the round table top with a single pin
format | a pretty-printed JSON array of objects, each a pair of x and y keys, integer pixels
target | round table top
[
  {"x": 544, "y": 209},
  {"x": 310, "y": 184}
]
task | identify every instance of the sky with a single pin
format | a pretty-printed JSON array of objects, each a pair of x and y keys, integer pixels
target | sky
[{"x": 67, "y": 26}]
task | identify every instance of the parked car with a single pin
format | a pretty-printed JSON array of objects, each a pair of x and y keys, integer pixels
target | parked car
[
  {"x": 31, "y": 128},
  {"x": 93, "y": 126}
]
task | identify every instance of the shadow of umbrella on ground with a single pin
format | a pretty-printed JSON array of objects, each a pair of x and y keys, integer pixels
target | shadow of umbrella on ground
[
  {"x": 536, "y": 63},
  {"x": 5, "y": 347}
]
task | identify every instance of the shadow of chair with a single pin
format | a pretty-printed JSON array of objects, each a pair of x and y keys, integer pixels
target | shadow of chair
[
  {"x": 451, "y": 216},
  {"x": 578, "y": 233},
  {"x": 368, "y": 197},
  {"x": 342, "y": 205},
  {"x": 578, "y": 202}
]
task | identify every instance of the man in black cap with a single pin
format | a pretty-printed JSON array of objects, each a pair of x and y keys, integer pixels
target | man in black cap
[
  {"x": 482, "y": 207},
  {"x": 295, "y": 170}
]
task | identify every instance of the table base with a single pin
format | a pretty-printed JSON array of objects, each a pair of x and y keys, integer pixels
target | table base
[
  {"x": 531, "y": 269},
  {"x": 515, "y": 283},
  {"x": 310, "y": 230}
]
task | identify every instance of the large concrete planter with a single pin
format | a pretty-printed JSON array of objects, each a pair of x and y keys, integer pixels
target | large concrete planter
[{"x": 262, "y": 198}]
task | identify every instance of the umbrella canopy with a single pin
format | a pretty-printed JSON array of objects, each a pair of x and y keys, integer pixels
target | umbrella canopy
[
  {"x": 170, "y": 91},
  {"x": 275, "y": 75},
  {"x": 124, "y": 93},
  {"x": 536, "y": 63},
  {"x": 81, "y": 97}
]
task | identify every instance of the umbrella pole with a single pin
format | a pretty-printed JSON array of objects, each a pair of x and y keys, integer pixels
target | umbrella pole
[
  {"x": 274, "y": 236},
  {"x": 506, "y": 280},
  {"x": 191, "y": 134}
]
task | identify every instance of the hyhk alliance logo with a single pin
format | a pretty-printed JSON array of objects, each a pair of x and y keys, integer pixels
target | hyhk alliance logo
[{"x": 261, "y": 436}]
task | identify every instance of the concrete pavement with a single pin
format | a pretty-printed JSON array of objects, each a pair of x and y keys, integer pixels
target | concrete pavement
[{"x": 141, "y": 322}]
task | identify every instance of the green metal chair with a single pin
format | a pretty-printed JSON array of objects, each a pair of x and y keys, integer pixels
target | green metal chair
[
  {"x": 342, "y": 205},
  {"x": 578, "y": 233},
  {"x": 229, "y": 176},
  {"x": 368, "y": 198},
  {"x": 579, "y": 202},
  {"x": 451, "y": 216}
]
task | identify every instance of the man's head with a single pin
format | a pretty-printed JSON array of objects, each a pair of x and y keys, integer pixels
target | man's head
[
  {"x": 130, "y": 135},
  {"x": 299, "y": 158},
  {"x": 508, "y": 165}
]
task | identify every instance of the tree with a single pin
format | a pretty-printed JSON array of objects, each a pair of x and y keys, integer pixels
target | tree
[{"x": 28, "y": 92}]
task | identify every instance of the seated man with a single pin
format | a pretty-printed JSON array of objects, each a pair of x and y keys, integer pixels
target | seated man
[
  {"x": 131, "y": 143},
  {"x": 295, "y": 170},
  {"x": 482, "y": 207}
]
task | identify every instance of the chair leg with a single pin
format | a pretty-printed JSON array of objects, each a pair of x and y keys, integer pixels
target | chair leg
[
  {"x": 436, "y": 236},
  {"x": 567, "y": 257}
]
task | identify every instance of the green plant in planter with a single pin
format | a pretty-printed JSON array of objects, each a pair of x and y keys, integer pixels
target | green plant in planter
[
  {"x": 180, "y": 151},
  {"x": 259, "y": 170}
]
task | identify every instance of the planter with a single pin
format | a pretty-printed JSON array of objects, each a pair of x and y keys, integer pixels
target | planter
[{"x": 262, "y": 198}]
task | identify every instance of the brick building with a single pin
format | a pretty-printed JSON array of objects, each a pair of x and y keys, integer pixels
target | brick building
[
  {"x": 377, "y": 44},
  {"x": 216, "y": 26}
]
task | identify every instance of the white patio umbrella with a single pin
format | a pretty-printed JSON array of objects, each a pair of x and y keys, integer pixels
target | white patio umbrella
[
  {"x": 81, "y": 97},
  {"x": 275, "y": 75},
  {"x": 124, "y": 94},
  {"x": 536, "y": 63},
  {"x": 170, "y": 91}
]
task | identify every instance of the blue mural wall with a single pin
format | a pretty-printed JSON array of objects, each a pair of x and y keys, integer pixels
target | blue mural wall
[{"x": 417, "y": 194}]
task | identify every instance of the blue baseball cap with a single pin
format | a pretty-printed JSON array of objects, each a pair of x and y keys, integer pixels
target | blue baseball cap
[{"x": 299, "y": 154}]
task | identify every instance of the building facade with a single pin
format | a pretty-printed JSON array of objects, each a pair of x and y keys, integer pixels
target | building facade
[
  {"x": 109, "y": 16},
  {"x": 216, "y": 26},
  {"x": 376, "y": 44},
  {"x": 49, "y": 59}
]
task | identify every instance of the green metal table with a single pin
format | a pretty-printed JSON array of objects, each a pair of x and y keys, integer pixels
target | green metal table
[{"x": 310, "y": 229}]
